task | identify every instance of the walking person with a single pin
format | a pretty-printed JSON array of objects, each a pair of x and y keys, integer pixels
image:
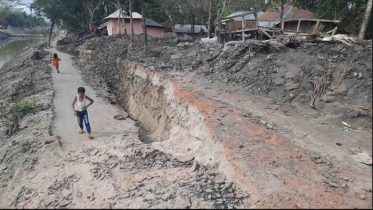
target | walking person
[
  {"x": 56, "y": 60},
  {"x": 80, "y": 107}
]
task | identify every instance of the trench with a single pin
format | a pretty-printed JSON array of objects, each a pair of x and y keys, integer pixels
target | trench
[{"x": 172, "y": 118}]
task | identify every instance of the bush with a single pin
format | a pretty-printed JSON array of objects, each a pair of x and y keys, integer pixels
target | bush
[{"x": 12, "y": 114}]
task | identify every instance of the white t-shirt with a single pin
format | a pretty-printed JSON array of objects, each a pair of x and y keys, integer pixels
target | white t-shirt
[{"x": 79, "y": 104}]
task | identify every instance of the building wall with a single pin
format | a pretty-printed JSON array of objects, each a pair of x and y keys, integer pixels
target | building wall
[
  {"x": 112, "y": 27},
  {"x": 237, "y": 25},
  {"x": 306, "y": 26},
  {"x": 155, "y": 31}
]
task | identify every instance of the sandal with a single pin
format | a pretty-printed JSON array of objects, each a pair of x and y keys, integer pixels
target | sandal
[
  {"x": 90, "y": 136},
  {"x": 81, "y": 131}
]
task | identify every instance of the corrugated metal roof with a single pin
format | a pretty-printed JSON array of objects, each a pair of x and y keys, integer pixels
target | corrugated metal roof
[
  {"x": 178, "y": 28},
  {"x": 247, "y": 17},
  {"x": 290, "y": 12},
  {"x": 116, "y": 14},
  {"x": 151, "y": 22}
]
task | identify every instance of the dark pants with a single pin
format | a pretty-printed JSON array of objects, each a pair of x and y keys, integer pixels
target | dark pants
[{"x": 83, "y": 115}]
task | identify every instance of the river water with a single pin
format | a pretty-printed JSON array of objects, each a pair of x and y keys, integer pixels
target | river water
[{"x": 11, "y": 47}]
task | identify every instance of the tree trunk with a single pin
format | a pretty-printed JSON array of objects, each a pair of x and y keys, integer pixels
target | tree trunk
[
  {"x": 282, "y": 15},
  {"x": 91, "y": 5},
  {"x": 91, "y": 13},
  {"x": 121, "y": 14},
  {"x": 365, "y": 20},
  {"x": 50, "y": 32},
  {"x": 119, "y": 32},
  {"x": 192, "y": 27},
  {"x": 209, "y": 21},
  {"x": 144, "y": 25},
  {"x": 124, "y": 24},
  {"x": 218, "y": 19},
  {"x": 131, "y": 23}
]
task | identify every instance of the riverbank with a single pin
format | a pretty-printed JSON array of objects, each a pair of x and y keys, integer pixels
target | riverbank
[
  {"x": 23, "y": 32},
  {"x": 12, "y": 46}
]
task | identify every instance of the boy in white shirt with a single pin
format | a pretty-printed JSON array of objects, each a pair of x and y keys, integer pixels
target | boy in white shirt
[{"x": 80, "y": 110}]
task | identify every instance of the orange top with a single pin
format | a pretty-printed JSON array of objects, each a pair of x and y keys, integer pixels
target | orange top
[{"x": 55, "y": 61}]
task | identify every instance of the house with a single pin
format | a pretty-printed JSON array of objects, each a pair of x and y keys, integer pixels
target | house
[
  {"x": 181, "y": 30},
  {"x": 295, "y": 19},
  {"x": 240, "y": 25},
  {"x": 152, "y": 28},
  {"x": 234, "y": 20}
]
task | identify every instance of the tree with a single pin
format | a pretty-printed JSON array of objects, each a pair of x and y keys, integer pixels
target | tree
[
  {"x": 91, "y": 6},
  {"x": 365, "y": 20},
  {"x": 121, "y": 8},
  {"x": 209, "y": 20},
  {"x": 9, "y": 3},
  {"x": 155, "y": 11},
  {"x": 219, "y": 14},
  {"x": 131, "y": 23},
  {"x": 279, "y": 5},
  {"x": 51, "y": 9},
  {"x": 143, "y": 13},
  {"x": 350, "y": 13}
]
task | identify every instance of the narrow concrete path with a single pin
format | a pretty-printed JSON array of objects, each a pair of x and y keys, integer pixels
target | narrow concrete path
[
  {"x": 65, "y": 175},
  {"x": 108, "y": 133},
  {"x": 100, "y": 114}
]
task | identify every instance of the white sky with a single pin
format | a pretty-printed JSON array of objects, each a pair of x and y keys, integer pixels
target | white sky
[{"x": 26, "y": 9}]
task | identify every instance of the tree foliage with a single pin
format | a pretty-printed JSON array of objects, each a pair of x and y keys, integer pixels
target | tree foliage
[
  {"x": 349, "y": 12},
  {"x": 9, "y": 15},
  {"x": 77, "y": 15}
]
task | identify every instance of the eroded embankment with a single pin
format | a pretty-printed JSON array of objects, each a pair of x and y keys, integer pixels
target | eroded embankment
[
  {"x": 168, "y": 112},
  {"x": 275, "y": 171},
  {"x": 23, "y": 78}
]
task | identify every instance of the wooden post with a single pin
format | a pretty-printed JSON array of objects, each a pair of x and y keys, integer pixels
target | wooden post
[
  {"x": 335, "y": 30},
  {"x": 243, "y": 27},
  {"x": 282, "y": 23},
  {"x": 256, "y": 21},
  {"x": 230, "y": 24},
  {"x": 298, "y": 26},
  {"x": 217, "y": 34},
  {"x": 243, "y": 22},
  {"x": 264, "y": 32},
  {"x": 273, "y": 30},
  {"x": 316, "y": 26}
]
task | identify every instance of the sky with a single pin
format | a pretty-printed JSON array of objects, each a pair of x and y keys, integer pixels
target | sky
[{"x": 26, "y": 9}]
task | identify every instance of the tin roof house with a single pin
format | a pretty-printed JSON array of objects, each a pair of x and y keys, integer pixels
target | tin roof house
[
  {"x": 181, "y": 30},
  {"x": 152, "y": 27},
  {"x": 296, "y": 19}
]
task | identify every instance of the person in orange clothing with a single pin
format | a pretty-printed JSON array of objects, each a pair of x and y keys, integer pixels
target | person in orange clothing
[{"x": 56, "y": 60}]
